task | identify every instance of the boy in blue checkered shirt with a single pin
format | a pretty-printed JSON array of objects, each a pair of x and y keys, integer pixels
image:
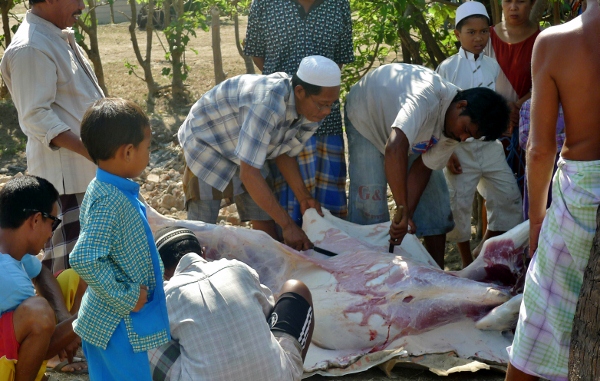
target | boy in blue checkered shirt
[{"x": 123, "y": 312}]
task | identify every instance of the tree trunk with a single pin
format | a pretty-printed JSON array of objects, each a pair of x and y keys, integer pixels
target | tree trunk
[
  {"x": 411, "y": 46},
  {"x": 112, "y": 11},
  {"x": 405, "y": 53},
  {"x": 556, "y": 13},
  {"x": 496, "y": 9},
  {"x": 538, "y": 10},
  {"x": 238, "y": 44},
  {"x": 93, "y": 52},
  {"x": 216, "y": 45},
  {"x": 177, "y": 49},
  {"x": 167, "y": 12},
  {"x": 584, "y": 357},
  {"x": 433, "y": 49},
  {"x": 5, "y": 7},
  {"x": 144, "y": 63}
]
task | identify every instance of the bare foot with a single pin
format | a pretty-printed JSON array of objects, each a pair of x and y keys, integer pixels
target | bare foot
[{"x": 78, "y": 365}]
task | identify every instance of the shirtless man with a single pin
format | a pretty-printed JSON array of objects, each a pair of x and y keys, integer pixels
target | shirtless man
[{"x": 562, "y": 235}]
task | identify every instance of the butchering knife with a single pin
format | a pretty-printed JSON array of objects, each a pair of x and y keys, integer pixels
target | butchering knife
[{"x": 325, "y": 252}]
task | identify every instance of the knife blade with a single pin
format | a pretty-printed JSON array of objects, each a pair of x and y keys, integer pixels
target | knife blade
[{"x": 325, "y": 252}]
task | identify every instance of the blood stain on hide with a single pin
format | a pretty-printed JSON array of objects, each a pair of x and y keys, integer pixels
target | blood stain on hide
[{"x": 372, "y": 335}]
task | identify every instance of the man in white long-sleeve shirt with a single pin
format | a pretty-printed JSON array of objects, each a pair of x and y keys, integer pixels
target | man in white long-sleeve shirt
[{"x": 52, "y": 85}]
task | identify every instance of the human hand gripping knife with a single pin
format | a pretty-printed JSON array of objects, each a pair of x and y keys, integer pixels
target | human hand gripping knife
[{"x": 397, "y": 218}]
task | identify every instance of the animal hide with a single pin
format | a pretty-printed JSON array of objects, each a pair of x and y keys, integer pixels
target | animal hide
[{"x": 367, "y": 301}]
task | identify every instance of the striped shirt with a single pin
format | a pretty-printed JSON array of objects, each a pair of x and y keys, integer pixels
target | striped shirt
[{"x": 249, "y": 118}]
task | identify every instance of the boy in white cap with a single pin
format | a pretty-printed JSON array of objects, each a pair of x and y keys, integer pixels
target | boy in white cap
[
  {"x": 478, "y": 164},
  {"x": 244, "y": 121}
]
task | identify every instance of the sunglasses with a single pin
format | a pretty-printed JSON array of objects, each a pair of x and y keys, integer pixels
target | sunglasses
[{"x": 55, "y": 220}]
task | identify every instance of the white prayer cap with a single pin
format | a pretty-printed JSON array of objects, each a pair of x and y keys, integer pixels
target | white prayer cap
[
  {"x": 470, "y": 8},
  {"x": 319, "y": 71}
]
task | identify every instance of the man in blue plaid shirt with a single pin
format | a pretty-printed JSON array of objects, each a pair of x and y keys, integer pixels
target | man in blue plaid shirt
[{"x": 244, "y": 121}]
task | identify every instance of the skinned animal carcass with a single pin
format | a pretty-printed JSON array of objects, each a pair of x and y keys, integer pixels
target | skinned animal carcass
[{"x": 367, "y": 300}]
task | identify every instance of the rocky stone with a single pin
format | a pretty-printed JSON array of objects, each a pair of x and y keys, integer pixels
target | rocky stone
[
  {"x": 153, "y": 178},
  {"x": 160, "y": 184},
  {"x": 169, "y": 201}
]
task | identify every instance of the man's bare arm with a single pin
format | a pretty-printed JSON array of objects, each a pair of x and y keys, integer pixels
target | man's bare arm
[
  {"x": 541, "y": 146},
  {"x": 260, "y": 192},
  {"x": 396, "y": 169},
  {"x": 523, "y": 99},
  {"x": 47, "y": 286},
  {"x": 72, "y": 142},
  {"x": 259, "y": 62}
]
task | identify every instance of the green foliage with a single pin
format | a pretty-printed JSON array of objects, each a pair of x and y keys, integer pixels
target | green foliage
[
  {"x": 13, "y": 28},
  {"x": 130, "y": 67},
  {"x": 86, "y": 19},
  {"x": 14, "y": 145},
  {"x": 178, "y": 34},
  {"x": 378, "y": 26},
  {"x": 440, "y": 17},
  {"x": 375, "y": 38}
]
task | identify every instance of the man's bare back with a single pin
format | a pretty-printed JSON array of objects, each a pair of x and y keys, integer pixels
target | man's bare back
[{"x": 566, "y": 68}]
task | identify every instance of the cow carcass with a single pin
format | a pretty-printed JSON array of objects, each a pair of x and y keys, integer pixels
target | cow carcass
[{"x": 367, "y": 300}]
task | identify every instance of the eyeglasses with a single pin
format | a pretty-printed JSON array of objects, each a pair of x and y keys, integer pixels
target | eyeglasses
[
  {"x": 55, "y": 220},
  {"x": 332, "y": 107}
]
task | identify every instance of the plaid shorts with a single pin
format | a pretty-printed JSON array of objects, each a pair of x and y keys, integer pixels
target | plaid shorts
[
  {"x": 322, "y": 165},
  {"x": 57, "y": 250},
  {"x": 555, "y": 275}
]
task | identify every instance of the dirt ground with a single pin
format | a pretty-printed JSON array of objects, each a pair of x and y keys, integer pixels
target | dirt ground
[
  {"x": 399, "y": 374},
  {"x": 115, "y": 49}
]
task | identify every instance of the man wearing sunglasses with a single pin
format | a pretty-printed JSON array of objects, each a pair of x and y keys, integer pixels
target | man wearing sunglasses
[
  {"x": 402, "y": 115},
  {"x": 241, "y": 123},
  {"x": 32, "y": 328}
]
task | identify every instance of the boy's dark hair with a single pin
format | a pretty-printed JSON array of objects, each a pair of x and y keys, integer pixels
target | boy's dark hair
[
  {"x": 487, "y": 109},
  {"x": 462, "y": 22},
  {"x": 23, "y": 196},
  {"x": 110, "y": 123},
  {"x": 310, "y": 89},
  {"x": 174, "y": 242}
]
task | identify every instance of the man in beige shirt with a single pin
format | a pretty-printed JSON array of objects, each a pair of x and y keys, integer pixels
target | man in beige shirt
[{"x": 52, "y": 85}]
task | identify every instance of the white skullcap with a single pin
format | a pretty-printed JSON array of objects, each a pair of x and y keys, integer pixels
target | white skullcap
[
  {"x": 470, "y": 8},
  {"x": 319, "y": 71}
]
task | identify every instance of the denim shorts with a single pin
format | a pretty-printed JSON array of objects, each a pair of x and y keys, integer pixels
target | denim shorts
[{"x": 367, "y": 199}]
